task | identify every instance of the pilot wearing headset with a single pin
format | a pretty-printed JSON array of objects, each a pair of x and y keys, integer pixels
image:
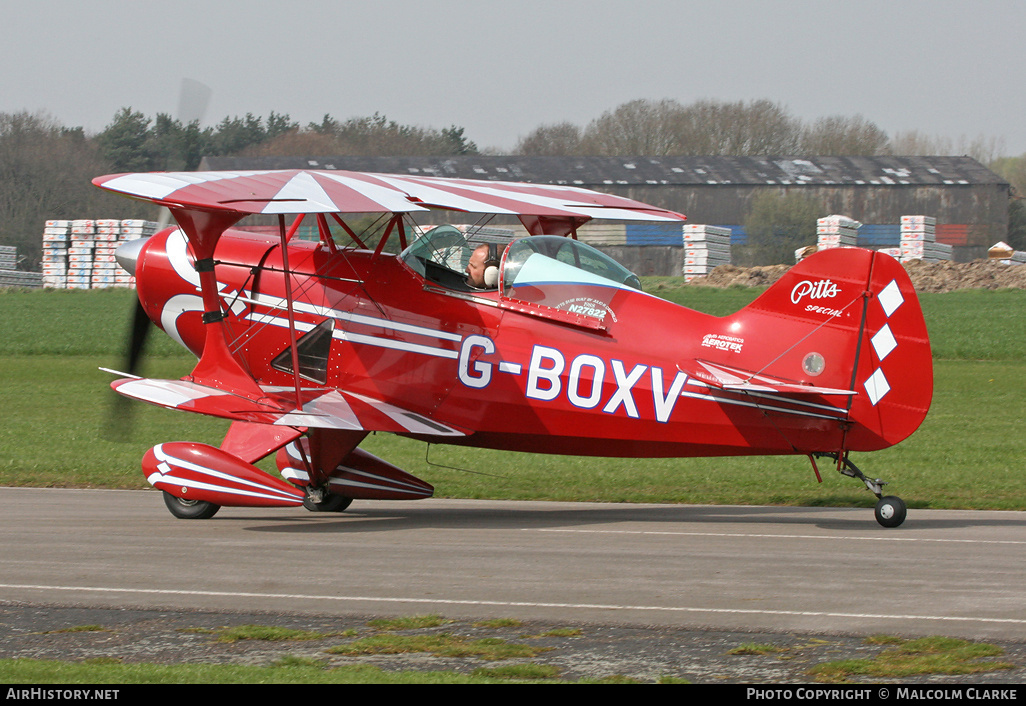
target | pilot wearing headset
[{"x": 483, "y": 268}]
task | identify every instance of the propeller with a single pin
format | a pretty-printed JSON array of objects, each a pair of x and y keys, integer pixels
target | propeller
[
  {"x": 119, "y": 417},
  {"x": 120, "y": 411},
  {"x": 193, "y": 101}
]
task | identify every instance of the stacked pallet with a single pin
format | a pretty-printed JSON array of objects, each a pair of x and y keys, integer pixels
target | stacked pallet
[
  {"x": 919, "y": 240},
  {"x": 79, "y": 254},
  {"x": 599, "y": 234},
  {"x": 1005, "y": 254},
  {"x": 8, "y": 257},
  {"x": 56, "y": 237},
  {"x": 705, "y": 248},
  {"x": 11, "y": 277},
  {"x": 836, "y": 232}
]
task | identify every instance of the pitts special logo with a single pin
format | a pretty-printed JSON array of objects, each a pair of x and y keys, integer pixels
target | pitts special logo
[{"x": 820, "y": 289}]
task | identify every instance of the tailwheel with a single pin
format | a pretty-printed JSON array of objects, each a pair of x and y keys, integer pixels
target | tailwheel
[
  {"x": 321, "y": 500},
  {"x": 189, "y": 509},
  {"x": 890, "y": 510}
]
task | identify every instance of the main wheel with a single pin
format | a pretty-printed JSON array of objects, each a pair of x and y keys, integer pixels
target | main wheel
[
  {"x": 190, "y": 509},
  {"x": 331, "y": 503},
  {"x": 890, "y": 511}
]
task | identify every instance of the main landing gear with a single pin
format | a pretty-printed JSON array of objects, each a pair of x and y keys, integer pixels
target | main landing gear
[
  {"x": 189, "y": 509},
  {"x": 890, "y": 509},
  {"x": 321, "y": 500}
]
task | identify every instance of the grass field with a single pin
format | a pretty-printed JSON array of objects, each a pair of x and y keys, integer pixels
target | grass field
[{"x": 56, "y": 405}]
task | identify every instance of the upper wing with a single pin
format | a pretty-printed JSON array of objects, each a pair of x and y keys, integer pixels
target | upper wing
[
  {"x": 321, "y": 408},
  {"x": 310, "y": 191}
]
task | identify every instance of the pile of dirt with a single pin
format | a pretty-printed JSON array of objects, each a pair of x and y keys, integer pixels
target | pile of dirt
[{"x": 926, "y": 276}]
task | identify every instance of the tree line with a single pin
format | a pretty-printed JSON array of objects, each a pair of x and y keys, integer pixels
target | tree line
[
  {"x": 739, "y": 129},
  {"x": 46, "y": 168}
]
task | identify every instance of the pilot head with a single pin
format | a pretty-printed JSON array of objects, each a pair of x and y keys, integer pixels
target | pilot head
[{"x": 482, "y": 269}]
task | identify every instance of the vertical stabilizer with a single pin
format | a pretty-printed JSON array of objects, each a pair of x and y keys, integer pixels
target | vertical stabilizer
[{"x": 849, "y": 318}]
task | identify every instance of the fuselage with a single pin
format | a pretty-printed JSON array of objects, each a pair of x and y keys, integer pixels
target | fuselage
[{"x": 580, "y": 368}]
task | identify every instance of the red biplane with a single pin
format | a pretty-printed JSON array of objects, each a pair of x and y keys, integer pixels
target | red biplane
[{"x": 474, "y": 336}]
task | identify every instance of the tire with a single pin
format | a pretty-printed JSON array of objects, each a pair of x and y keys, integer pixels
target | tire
[
  {"x": 890, "y": 511},
  {"x": 332, "y": 503},
  {"x": 190, "y": 509}
]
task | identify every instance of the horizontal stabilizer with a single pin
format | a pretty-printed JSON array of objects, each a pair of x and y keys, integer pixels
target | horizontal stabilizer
[
  {"x": 320, "y": 408},
  {"x": 735, "y": 380}
]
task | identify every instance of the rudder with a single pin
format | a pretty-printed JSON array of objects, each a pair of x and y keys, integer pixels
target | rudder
[{"x": 849, "y": 318}]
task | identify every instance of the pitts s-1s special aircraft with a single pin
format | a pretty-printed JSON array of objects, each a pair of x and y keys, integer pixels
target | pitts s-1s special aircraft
[{"x": 537, "y": 343}]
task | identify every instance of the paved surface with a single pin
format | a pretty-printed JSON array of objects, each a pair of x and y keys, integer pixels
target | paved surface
[
  {"x": 673, "y": 582},
  {"x": 587, "y": 651}
]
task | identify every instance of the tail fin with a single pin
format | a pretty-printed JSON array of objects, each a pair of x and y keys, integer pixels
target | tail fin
[{"x": 848, "y": 319}]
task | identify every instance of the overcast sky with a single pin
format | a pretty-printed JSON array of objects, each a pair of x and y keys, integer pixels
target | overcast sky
[{"x": 500, "y": 68}]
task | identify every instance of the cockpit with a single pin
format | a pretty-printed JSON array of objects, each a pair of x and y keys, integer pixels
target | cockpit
[
  {"x": 448, "y": 257},
  {"x": 542, "y": 275}
]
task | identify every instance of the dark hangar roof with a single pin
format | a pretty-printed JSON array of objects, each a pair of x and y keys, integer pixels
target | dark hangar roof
[{"x": 653, "y": 171}]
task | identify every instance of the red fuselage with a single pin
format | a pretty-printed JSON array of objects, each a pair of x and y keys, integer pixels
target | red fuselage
[{"x": 532, "y": 374}]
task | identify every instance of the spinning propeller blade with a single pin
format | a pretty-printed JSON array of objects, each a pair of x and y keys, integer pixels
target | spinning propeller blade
[{"x": 120, "y": 411}]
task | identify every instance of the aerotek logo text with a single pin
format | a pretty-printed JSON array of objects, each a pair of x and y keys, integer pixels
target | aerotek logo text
[{"x": 820, "y": 289}]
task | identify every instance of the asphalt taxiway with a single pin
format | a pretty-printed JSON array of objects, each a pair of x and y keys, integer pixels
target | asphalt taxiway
[{"x": 732, "y": 568}]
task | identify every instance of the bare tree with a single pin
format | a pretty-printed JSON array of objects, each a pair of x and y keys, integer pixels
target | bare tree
[
  {"x": 558, "y": 139},
  {"x": 666, "y": 127},
  {"x": 982, "y": 149},
  {"x": 842, "y": 135},
  {"x": 639, "y": 127},
  {"x": 758, "y": 127}
]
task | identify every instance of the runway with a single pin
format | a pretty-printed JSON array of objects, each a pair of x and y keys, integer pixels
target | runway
[{"x": 779, "y": 569}]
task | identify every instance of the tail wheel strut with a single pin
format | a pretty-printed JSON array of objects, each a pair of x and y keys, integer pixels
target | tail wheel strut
[{"x": 890, "y": 509}]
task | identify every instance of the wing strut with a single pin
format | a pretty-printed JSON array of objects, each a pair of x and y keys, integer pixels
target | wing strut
[
  {"x": 285, "y": 237},
  {"x": 216, "y": 367}
]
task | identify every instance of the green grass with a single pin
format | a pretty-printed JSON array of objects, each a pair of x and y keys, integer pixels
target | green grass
[
  {"x": 438, "y": 644},
  {"x": 917, "y": 658},
  {"x": 967, "y": 454},
  {"x": 36, "y": 671}
]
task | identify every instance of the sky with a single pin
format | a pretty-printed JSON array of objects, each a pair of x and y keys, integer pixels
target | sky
[{"x": 501, "y": 68}]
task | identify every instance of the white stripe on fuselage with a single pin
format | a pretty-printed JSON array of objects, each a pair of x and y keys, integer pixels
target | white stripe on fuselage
[{"x": 281, "y": 304}]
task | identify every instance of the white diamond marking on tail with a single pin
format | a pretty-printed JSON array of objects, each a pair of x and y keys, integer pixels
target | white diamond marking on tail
[
  {"x": 890, "y": 298},
  {"x": 883, "y": 342},
  {"x": 877, "y": 386}
]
